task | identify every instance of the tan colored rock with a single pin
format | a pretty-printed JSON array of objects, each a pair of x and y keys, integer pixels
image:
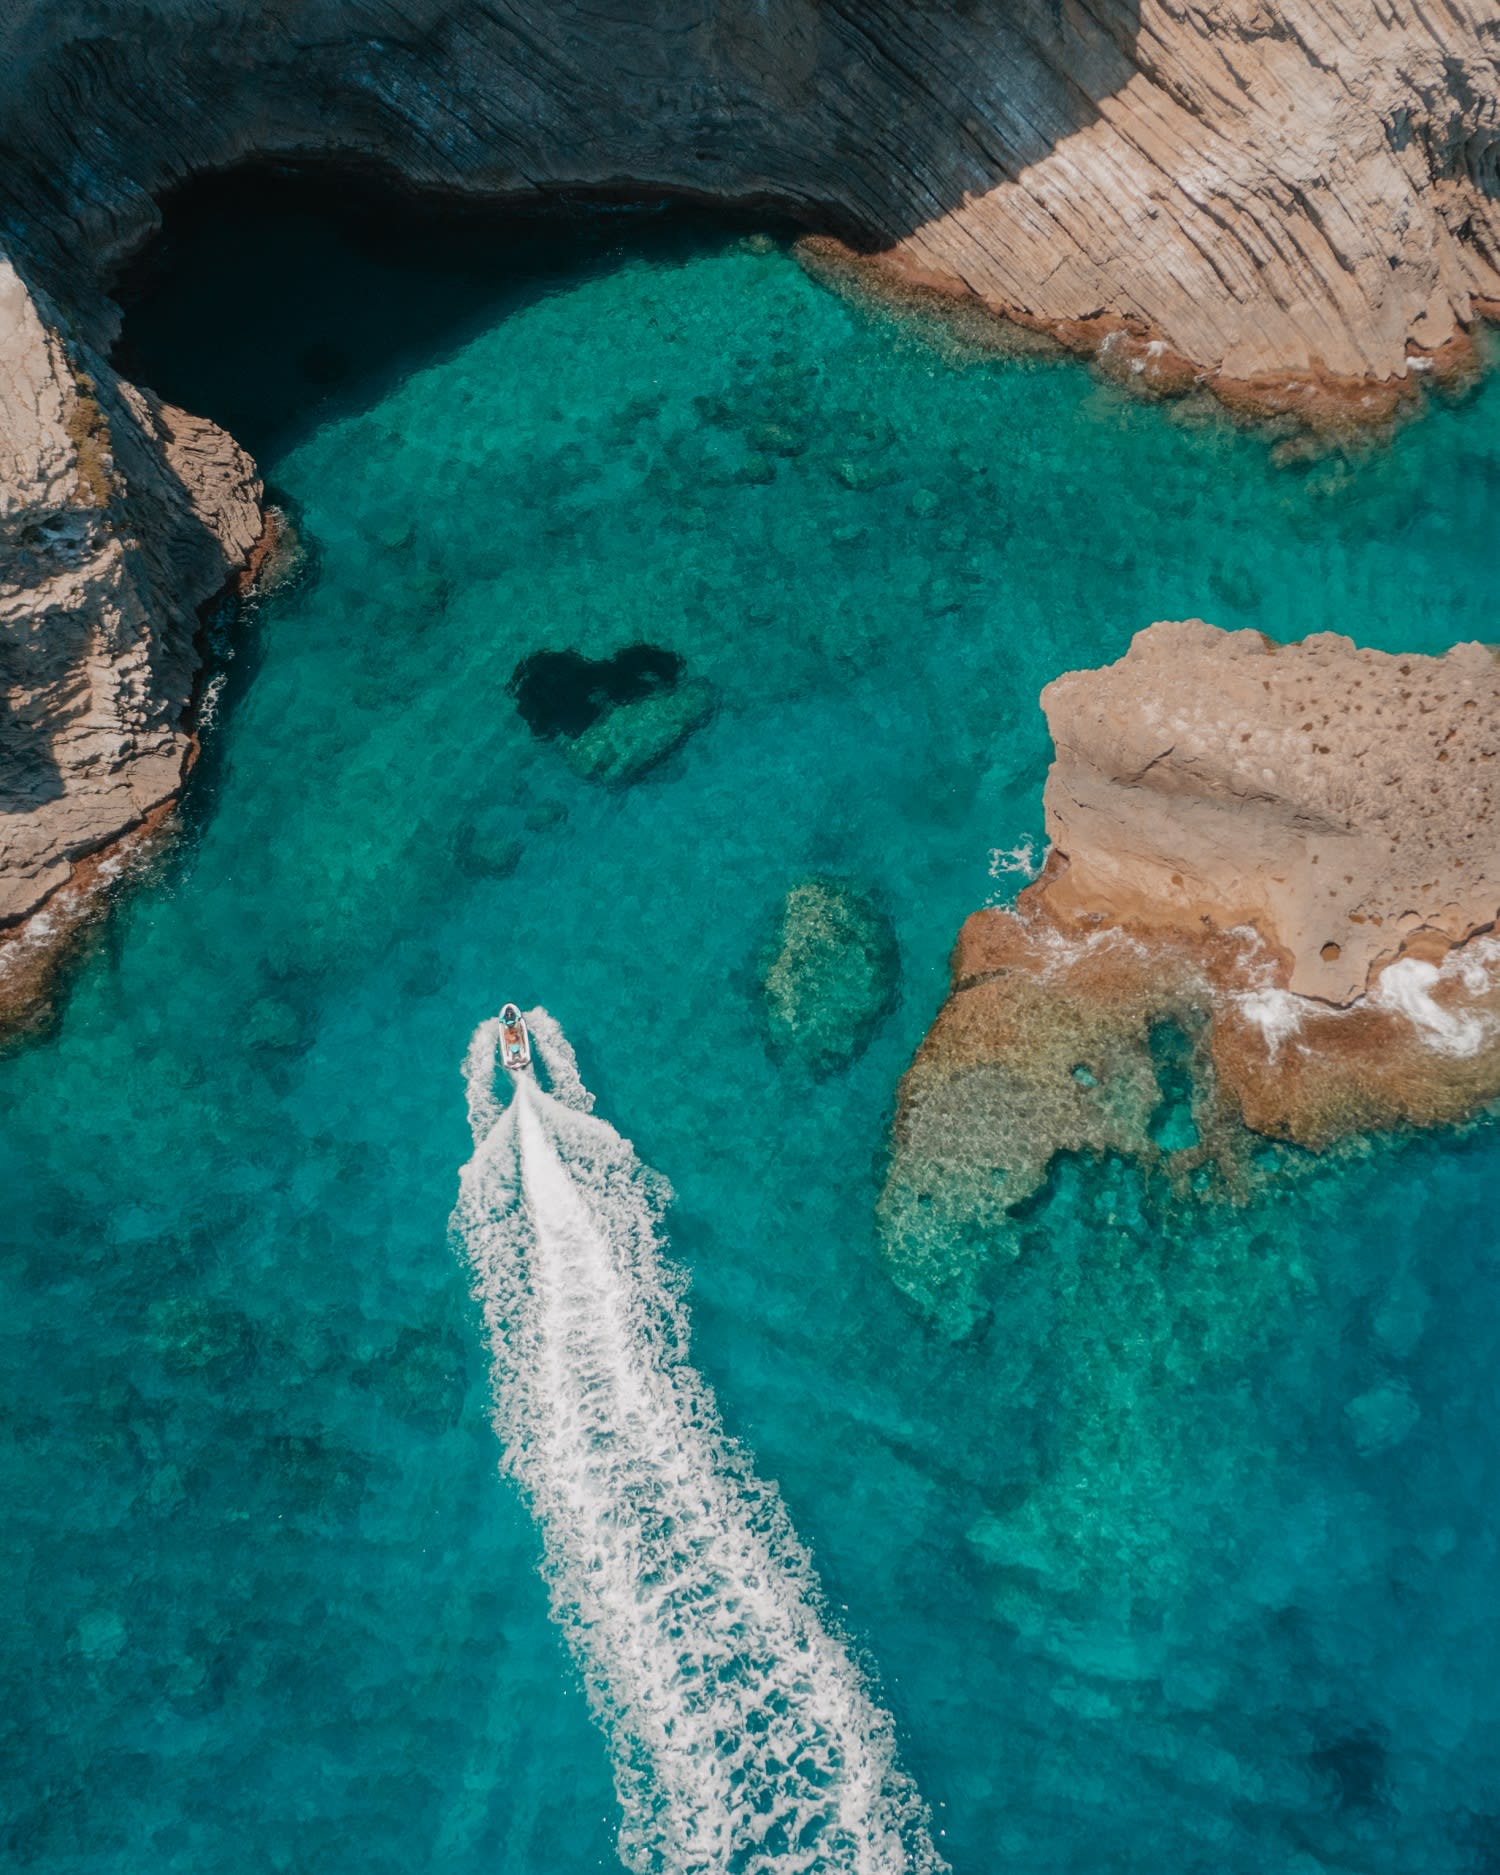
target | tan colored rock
[
  {"x": 1346, "y": 803},
  {"x": 1298, "y": 205},
  {"x": 1050, "y": 1042},
  {"x": 118, "y": 516}
]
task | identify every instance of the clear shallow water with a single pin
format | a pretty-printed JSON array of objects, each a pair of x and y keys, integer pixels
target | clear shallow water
[{"x": 1185, "y": 1557}]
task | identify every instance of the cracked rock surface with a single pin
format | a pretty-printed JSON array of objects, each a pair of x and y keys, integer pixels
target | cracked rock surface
[{"x": 1344, "y": 802}]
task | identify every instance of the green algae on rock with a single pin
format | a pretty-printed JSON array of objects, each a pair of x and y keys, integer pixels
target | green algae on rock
[
  {"x": 633, "y": 737},
  {"x": 1246, "y": 921},
  {"x": 829, "y": 974}
]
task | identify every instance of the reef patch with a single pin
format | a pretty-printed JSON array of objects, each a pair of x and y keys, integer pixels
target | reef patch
[
  {"x": 828, "y": 974},
  {"x": 1268, "y": 913}
]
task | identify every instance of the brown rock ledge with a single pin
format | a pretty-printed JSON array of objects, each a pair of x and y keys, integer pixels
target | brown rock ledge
[
  {"x": 1269, "y": 909},
  {"x": 119, "y": 517},
  {"x": 1310, "y": 404}
]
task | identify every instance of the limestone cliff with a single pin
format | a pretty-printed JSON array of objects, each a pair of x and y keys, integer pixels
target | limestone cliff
[
  {"x": 118, "y": 516},
  {"x": 1298, "y": 191}
]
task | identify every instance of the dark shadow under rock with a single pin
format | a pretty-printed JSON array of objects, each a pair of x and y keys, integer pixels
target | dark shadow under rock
[
  {"x": 616, "y": 717},
  {"x": 564, "y": 693}
]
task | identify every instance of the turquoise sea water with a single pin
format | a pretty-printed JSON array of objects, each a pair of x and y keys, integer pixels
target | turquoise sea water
[{"x": 1184, "y": 1557}]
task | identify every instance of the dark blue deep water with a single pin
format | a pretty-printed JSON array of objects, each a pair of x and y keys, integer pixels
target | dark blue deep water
[{"x": 1184, "y": 1558}]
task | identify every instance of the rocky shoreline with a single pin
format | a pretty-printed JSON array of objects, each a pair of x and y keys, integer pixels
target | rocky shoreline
[
  {"x": 1270, "y": 907},
  {"x": 1299, "y": 215},
  {"x": 120, "y": 516},
  {"x": 1313, "y": 403},
  {"x": 1311, "y": 194}
]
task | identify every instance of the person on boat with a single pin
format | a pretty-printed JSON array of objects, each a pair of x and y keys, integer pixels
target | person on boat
[{"x": 514, "y": 1047}]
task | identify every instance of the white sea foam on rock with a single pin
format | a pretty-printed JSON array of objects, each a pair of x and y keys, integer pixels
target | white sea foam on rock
[
  {"x": 1276, "y": 1013},
  {"x": 743, "y": 1736},
  {"x": 1406, "y": 987}
]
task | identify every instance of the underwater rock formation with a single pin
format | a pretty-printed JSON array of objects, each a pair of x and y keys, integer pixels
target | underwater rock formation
[
  {"x": 1268, "y": 910},
  {"x": 632, "y": 738},
  {"x": 563, "y": 693},
  {"x": 119, "y": 515},
  {"x": 613, "y": 718},
  {"x": 828, "y": 974}
]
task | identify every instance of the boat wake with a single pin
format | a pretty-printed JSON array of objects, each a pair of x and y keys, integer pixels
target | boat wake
[{"x": 743, "y": 1736}]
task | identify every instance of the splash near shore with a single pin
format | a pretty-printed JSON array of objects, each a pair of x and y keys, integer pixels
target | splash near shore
[{"x": 743, "y": 1736}]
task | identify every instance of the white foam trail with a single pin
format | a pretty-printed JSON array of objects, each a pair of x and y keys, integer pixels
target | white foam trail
[
  {"x": 743, "y": 1736},
  {"x": 556, "y": 1051}
]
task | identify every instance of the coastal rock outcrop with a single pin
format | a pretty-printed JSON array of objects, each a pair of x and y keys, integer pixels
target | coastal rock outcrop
[
  {"x": 1278, "y": 198},
  {"x": 1298, "y": 206},
  {"x": 119, "y": 515},
  {"x": 1345, "y": 803},
  {"x": 1269, "y": 910}
]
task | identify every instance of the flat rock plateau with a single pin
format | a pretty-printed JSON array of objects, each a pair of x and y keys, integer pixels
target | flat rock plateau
[
  {"x": 1269, "y": 903},
  {"x": 1298, "y": 207},
  {"x": 1344, "y": 803}
]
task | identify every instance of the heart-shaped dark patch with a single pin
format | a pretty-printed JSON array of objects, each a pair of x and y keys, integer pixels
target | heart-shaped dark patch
[{"x": 561, "y": 693}]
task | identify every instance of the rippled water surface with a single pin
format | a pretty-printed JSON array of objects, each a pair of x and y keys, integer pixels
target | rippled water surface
[{"x": 1183, "y": 1558}]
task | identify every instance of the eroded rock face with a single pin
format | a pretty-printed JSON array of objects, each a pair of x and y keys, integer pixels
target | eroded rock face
[
  {"x": 1345, "y": 803},
  {"x": 119, "y": 515}
]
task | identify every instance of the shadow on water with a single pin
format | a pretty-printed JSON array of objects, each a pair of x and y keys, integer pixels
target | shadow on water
[{"x": 277, "y": 298}]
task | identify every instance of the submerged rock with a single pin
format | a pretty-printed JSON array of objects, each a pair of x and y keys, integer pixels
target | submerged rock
[
  {"x": 633, "y": 737},
  {"x": 422, "y": 1376},
  {"x": 1382, "y": 1417},
  {"x": 829, "y": 974},
  {"x": 615, "y": 717},
  {"x": 563, "y": 693},
  {"x": 189, "y": 1337},
  {"x": 489, "y": 852}
]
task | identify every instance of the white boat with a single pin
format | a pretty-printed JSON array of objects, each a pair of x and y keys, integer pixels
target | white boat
[{"x": 515, "y": 1040}]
